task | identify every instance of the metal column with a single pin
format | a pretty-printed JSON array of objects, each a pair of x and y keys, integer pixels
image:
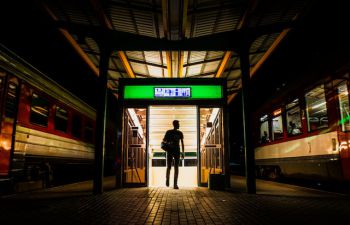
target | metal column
[
  {"x": 101, "y": 123},
  {"x": 247, "y": 126}
]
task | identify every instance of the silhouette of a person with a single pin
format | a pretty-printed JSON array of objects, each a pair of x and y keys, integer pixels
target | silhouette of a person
[
  {"x": 173, "y": 138},
  {"x": 265, "y": 138}
]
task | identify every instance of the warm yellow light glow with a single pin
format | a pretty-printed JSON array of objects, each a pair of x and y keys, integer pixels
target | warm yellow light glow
[
  {"x": 213, "y": 116},
  {"x": 6, "y": 145},
  {"x": 136, "y": 121},
  {"x": 277, "y": 112},
  {"x": 187, "y": 177}
]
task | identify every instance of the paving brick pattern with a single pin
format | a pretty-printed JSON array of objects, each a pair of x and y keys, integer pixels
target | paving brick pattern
[{"x": 169, "y": 206}]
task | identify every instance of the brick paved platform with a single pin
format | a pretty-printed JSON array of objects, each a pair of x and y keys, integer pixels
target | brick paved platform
[{"x": 71, "y": 205}]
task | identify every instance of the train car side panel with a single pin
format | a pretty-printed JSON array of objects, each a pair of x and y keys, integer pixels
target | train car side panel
[
  {"x": 344, "y": 150},
  {"x": 8, "y": 116}
]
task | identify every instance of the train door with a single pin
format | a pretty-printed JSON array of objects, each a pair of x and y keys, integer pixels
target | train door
[
  {"x": 160, "y": 120},
  {"x": 134, "y": 147},
  {"x": 8, "y": 109},
  {"x": 211, "y": 144}
]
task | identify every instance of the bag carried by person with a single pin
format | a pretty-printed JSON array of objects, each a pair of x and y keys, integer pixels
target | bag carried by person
[{"x": 165, "y": 146}]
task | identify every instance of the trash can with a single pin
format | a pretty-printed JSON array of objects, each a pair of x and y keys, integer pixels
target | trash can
[{"x": 216, "y": 181}]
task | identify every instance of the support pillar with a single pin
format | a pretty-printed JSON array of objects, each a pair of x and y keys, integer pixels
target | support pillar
[
  {"x": 227, "y": 148},
  {"x": 100, "y": 135},
  {"x": 247, "y": 126}
]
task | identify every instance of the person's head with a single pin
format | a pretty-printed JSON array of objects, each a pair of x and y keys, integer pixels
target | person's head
[{"x": 176, "y": 124}]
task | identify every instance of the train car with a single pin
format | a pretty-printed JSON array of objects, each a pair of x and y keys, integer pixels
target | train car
[
  {"x": 306, "y": 133},
  {"x": 46, "y": 132}
]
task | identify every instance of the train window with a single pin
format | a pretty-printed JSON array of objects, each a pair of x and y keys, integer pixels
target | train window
[
  {"x": 264, "y": 129},
  {"x": 61, "y": 119},
  {"x": 277, "y": 127},
  {"x": 39, "y": 110},
  {"x": 76, "y": 126},
  {"x": 293, "y": 117},
  {"x": 316, "y": 109},
  {"x": 88, "y": 131},
  {"x": 343, "y": 96},
  {"x": 10, "y": 104}
]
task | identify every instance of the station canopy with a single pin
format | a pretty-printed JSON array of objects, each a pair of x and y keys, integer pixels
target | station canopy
[{"x": 175, "y": 38}]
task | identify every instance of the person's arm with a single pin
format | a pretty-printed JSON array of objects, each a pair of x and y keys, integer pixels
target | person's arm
[{"x": 183, "y": 148}]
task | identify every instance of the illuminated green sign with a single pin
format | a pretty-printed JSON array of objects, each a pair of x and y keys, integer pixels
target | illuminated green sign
[{"x": 195, "y": 92}]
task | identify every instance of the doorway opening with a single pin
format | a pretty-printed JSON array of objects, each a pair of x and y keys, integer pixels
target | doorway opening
[
  {"x": 160, "y": 120},
  {"x": 144, "y": 162}
]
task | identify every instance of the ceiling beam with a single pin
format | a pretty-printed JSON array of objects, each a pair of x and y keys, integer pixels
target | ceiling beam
[
  {"x": 204, "y": 61},
  {"x": 146, "y": 63},
  {"x": 165, "y": 17},
  {"x": 104, "y": 20},
  {"x": 183, "y": 32},
  {"x": 223, "y": 64},
  {"x": 126, "y": 64},
  {"x": 76, "y": 46},
  {"x": 243, "y": 23},
  {"x": 269, "y": 52},
  {"x": 122, "y": 41},
  {"x": 169, "y": 63},
  {"x": 72, "y": 42},
  {"x": 264, "y": 58}
]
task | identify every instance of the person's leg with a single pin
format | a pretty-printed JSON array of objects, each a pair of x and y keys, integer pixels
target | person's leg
[
  {"x": 169, "y": 159},
  {"x": 176, "y": 168}
]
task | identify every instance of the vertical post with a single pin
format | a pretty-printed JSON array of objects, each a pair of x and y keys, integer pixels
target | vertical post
[
  {"x": 226, "y": 145},
  {"x": 119, "y": 155},
  {"x": 101, "y": 122},
  {"x": 247, "y": 128}
]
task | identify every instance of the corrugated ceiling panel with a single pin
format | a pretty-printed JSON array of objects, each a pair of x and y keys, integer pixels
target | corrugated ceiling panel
[
  {"x": 112, "y": 63},
  {"x": 272, "y": 11},
  {"x": 145, "y": 23},
  {"x": 74, "y": 11},
  {"x": 194, "y": 70},
  {"x": 153, "y": 57},
  {"x": 112, "y": 84},
  {"x": 230, "y": 62},
  {"x": 215, "y": 54},
  {"x": 113, "y": 74},
  {"x": 271, "y": 38},
  {"x": 120, "y": 65},
  {"x": 287, "y": 11},
  {"x": 211, "y": 67},
  {"x": 197, "y": 56},
  {"x": 139, "y": 68},
  {"x": 204, "y": 23},
  {"x": 184, "y": 71},
  {"x": 92, "y": 44},
  {"x": 216, "y": 21},
  {"x": 155, "y": 71},
  {"x": 254, "y": 59},
  {"x": 258, "y": 43},
  {"x": 263, "y": 43},
  {"x": 164, "y": 58},
  {"x": 135, "y": 55},
  {"x": 185, "y": 56},
  {"x": 236, "y": 63},
  {"x": 228, "y": 20},
  {"x": 234, "y": 74},
  {"x": 94, "y": 59},
  {"x": 122, "y": 19}
]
